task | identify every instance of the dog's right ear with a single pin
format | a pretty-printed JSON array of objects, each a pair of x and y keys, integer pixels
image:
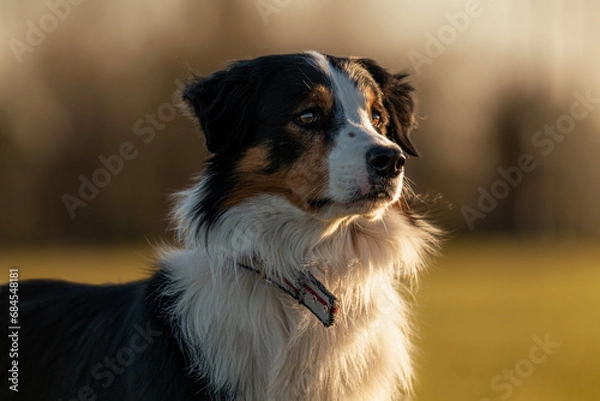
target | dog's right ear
[{"x": 223, "y": 103}]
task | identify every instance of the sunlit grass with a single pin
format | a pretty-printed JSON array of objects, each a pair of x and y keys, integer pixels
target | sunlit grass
[
  {"x": 478, "y": 311},
  {"x": 480, "y": 308}
]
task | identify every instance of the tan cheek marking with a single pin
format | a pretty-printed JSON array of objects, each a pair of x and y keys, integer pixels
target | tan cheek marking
[
  {"x": 302, "y": 182},
  {"x": 255, "y": 159},
  {"x": 251, "y": 179},
  {"x": 309, "y": 178}
]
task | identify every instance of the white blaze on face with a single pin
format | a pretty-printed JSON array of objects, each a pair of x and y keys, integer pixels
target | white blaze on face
[{"x": 348, "y": 175}]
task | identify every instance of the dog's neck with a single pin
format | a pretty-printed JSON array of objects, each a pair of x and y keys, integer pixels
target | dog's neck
[
  {"x": 288, "y": 240},
  {"x": 356, "y": 259},
  {"x": 342, "y": 254}
]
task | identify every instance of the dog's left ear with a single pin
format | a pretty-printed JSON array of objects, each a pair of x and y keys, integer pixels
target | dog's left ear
[
  {"x": 223, "y": 103},
  {"x": 398, "y": 101}
]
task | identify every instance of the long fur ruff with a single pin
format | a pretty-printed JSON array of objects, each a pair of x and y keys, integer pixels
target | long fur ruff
[{"x": 253, "y": 337}]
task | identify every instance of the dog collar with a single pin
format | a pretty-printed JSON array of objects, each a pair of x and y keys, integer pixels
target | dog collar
[{"x": 308, "y": 291}]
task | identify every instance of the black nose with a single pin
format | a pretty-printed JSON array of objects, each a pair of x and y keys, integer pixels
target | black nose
[{"x": 386, "y": 162}]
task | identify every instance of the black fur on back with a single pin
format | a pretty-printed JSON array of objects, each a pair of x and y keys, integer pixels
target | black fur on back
[{"x": 102, "y": 343}]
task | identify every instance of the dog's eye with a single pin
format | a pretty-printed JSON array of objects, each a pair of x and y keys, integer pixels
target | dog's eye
[
  {"x": 307, "y": 118},
  {"x": 375, "y": 119}
]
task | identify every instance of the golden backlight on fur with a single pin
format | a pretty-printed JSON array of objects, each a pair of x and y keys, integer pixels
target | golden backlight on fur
[{"x": 314, "y": 188}]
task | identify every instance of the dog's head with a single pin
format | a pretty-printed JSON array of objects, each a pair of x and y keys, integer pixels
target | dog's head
[{"x": 328, "y": 134}]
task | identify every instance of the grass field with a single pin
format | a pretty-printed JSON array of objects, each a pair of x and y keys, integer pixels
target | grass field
[{"x": 479, "y": 310}]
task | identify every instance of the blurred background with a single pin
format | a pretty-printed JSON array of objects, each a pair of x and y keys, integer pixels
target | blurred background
[{"x": 92, "y": 145}]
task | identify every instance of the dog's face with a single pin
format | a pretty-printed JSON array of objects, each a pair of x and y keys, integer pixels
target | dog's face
[{"x": 328, "y": 134}]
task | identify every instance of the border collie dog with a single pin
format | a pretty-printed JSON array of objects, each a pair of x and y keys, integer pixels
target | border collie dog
[{"x": 298, "y": 254}]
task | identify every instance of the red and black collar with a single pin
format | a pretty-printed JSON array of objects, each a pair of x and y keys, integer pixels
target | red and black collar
[{"x": 307, "y": 290}]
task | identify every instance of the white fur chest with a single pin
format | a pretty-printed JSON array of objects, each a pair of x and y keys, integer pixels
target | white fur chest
[{"x": 250, "y": 336}]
